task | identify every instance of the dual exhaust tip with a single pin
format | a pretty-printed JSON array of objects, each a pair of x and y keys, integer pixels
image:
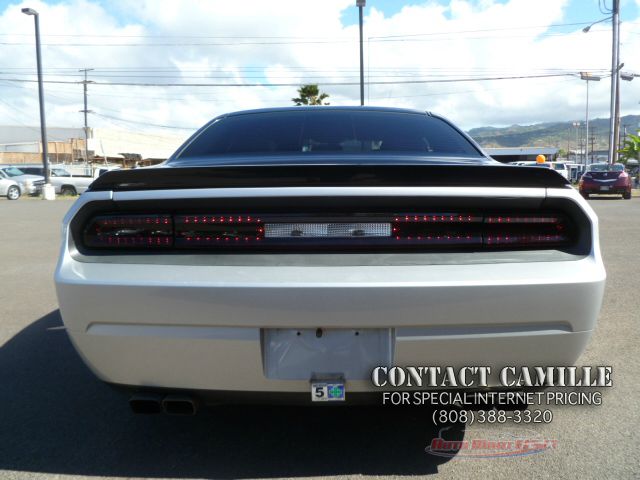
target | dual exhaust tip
[{"x": 148, "y": 404}]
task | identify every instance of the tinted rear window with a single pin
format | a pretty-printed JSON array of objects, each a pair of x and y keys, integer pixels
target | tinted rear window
[
  {"x": 606, "y": 167},
  {"x": 324, "y": 132}
]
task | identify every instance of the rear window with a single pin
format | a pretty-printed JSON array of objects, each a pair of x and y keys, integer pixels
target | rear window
[
  {"x": 324, "y": 132},
  {"x": 606, "y": 167},
  {"x": 560, "y": 166}
]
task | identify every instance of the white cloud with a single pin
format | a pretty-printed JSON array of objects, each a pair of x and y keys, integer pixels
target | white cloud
[{"x": 464, "y": 39}]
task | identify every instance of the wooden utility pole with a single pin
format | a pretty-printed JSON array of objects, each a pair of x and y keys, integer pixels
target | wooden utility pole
[{"x": 86, "y": 111}]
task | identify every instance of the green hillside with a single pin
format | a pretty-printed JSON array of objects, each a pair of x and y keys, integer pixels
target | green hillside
[{"x": 550, "y": 134}]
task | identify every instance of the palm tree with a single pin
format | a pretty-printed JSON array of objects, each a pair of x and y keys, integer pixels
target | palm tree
[
  {"x": 310, "y": 95},
  {"x": 631, "y": 149}
]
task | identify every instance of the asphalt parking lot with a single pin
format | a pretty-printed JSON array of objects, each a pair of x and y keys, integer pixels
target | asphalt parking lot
[{"x": 57, "y": 420}]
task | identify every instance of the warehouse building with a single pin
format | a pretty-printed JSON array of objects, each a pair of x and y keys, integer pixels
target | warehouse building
[
  {"x": 21, "y": 144},
  {"x": 522, "y": 154}
]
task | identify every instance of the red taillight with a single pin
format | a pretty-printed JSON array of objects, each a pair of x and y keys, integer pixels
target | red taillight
[
  {"x": 286, "y": 232},
  {"x": 129, "y": 231}
]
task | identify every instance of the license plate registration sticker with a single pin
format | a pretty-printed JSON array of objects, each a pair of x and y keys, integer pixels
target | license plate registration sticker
[{"x": 327, "y": 392}]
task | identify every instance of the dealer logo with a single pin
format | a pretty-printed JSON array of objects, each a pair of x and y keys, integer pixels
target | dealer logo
[{"x": 501, "y": 445}]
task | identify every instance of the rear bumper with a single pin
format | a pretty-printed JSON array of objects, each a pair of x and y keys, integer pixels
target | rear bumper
[
  {"x": 609, "y": 189},
  {"x": 202, "y": 327}
]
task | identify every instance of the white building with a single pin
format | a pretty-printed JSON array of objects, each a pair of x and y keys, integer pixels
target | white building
[
  {"x": 110, "y": 143},
  {"x": 21, "y": 144}
]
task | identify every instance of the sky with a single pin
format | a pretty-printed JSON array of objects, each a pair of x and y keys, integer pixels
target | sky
[{"x": 477, "y": 62}]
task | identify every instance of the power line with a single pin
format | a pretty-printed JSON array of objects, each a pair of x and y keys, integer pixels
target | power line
[
  {"x": 277, "y": 43},
  {"x": 455, "y": 32},
  {"x": 297, "y": 84},
  {"x": 143, "y": 123},
  {"x": 275, "y": 40},
  {"x": 298, "y": 37}
]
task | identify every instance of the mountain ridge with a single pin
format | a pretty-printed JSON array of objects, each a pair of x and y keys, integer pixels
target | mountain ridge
[{"x": 551, "y": 134}]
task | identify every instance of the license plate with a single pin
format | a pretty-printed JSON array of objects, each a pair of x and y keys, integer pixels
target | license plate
[
  {"x": 327, "y": 392},
  {"x": 604, "y": 189},
  {"x": 325, "y": 355}
]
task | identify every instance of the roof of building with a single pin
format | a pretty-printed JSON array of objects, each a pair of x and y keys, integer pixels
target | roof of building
[
  {"x": 522, "y": 151},
  {"x": 105, "y": 142},
  {"x": 14, "y": 134}
]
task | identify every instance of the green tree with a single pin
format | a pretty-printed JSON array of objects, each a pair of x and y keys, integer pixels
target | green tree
[
  {"x": 631, "y": 149},
  {"x": 310, "y": 95}
]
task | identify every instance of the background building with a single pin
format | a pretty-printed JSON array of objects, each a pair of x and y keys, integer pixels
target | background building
[
  {"x": 522, "y": 154},
  {"x": 21, "y": 144}
]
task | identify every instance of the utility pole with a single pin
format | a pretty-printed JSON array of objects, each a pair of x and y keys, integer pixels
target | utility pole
[
  {"x": 86, "y": 111},
  {"x": 360, "y": 4},
  {"x": 616, "y": 133},
  {"x": 577, "y": 125},
  {"x": 615, "y": 75}
]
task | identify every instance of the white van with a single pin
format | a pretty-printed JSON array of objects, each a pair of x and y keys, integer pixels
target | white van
[{"x": 561, "y": 168}]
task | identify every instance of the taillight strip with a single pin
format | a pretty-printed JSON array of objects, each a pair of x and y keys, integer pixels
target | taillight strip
[{"x": 281, "y": 232}]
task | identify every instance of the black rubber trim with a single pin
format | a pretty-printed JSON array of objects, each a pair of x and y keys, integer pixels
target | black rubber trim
[{"x": 297, "y": 175}]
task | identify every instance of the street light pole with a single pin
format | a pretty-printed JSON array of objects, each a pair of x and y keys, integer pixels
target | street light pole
[
  {"x": 48, "y": 193},
  {"x": 360, "y": 4},
  {"x": 577, "y": 125},
  {"x": 588, "y": 77},
  {"x": 586, "y": 138}
]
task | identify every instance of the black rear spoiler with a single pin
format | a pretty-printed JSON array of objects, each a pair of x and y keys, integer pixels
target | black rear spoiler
[{"x": 248, "y": 176}]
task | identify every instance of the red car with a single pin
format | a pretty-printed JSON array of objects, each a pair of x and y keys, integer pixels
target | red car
[{"x": 604, "y": 178}]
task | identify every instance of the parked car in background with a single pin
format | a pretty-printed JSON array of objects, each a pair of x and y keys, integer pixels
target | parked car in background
[
  {"x": 63, "y": 182},
  {"x": 97, "y": 171},
  {"x": 561, "y": 168},
  {"x": 533, "y": 164},
  {"x": 575, "y": 171},
  {"x": 29, "y": 184},
  {"x": 284, "y": 253},
  {"x": 607, "y": 179},
  {"x": 9, "y": 188}
]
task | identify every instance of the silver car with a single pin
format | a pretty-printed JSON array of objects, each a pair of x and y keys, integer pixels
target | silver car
[
  {"x": 285, "y": 253},
  {"x": 29, "y": 184},
  {"x": 9, "y": 188}
]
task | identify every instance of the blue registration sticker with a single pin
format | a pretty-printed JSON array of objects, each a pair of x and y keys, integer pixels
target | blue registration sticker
[{"x": 327, "y": 392}]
